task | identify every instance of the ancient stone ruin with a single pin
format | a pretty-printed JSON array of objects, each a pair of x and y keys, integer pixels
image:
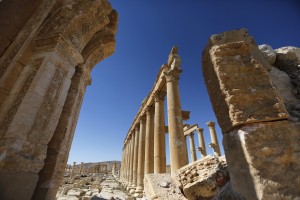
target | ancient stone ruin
[{"x": 46, "y": 56}]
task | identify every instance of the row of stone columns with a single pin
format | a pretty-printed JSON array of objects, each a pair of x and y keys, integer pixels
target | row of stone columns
[
  {"x": 147, "y": 134},
  {"x": 214, "y": 142}
]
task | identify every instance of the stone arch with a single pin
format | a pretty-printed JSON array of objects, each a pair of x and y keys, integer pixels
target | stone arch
[{"x": 50, "y": 89}]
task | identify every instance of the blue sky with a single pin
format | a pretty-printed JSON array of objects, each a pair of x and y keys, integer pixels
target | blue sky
[{"x": 147, "y": 31}]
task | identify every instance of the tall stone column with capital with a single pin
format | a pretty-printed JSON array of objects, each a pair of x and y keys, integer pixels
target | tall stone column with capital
[
  {"x": 192, "y": 147},
  {"x": 135, "y": 160},
  {"x": 201, "y": 147},
  {"x": 149, "y": 141},
  {"x": 141, "y": 159},
  {"x": 178, "y": 149},
  {"x": 159, "y": 133},
  {"x": 214, "y": 139}
]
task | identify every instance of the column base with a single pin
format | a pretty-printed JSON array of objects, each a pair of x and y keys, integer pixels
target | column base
[
  {"x": 132, "y": 190},
  {"x": 138, "y": 192}
]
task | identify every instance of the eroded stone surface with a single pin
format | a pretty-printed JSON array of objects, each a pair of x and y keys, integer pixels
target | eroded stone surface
[
  {"x": 263, "y": 160},
  {"x": 268, "y": 52},
  {"x": 203, "y": 178},
  {"x": 161, "y": 187},
  {"x": 238, "y": 82}
]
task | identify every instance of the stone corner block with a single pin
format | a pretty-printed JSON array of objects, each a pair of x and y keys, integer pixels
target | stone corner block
[{"x": 238, "y": 83}]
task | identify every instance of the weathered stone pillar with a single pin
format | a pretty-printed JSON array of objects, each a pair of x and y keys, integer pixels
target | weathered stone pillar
[
  {"x": 141, "y": 159},
  {"x": 260, "y": 143},
  {"x": 178, "y": 150},
  {"x": 201, "y": 147},
  {"x": 135, "y": 160},
  {"x": 131, "y": 158},
  {"x": 73, "y": 169},
  {"x": 192, "y": 147},
  {"x": 121, "y": 167},
  {"x": 214, "y": 139},
  {"x": 149, "y": 141},
  {"x": 126, "y": 164},
  {"x": 159, "y": 133},
  {"x": 81, "y": 165}
]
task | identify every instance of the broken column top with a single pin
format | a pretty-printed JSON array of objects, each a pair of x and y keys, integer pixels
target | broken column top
[{"x": 238, "y": 83}]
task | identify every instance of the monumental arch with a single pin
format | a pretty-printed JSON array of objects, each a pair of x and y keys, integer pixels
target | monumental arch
[{"x": 46, "y": 55}]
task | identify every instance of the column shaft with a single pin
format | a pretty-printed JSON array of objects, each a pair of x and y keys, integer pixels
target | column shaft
[
  {"x": 149, "y": 141},
  {"x": 214, "y": 139},
  {"x": 141, "y": 159},
  {"x": 192, "y": 147},
  {"x": 135, "y": 160},
  {"x": 202, "y": 147},
  {"x": 159, "y": 134},
  {"x": 178, "y": 150}
]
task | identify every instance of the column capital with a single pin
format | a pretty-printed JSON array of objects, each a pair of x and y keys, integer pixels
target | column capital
[
  {"x": 199, "y": 130},
  {"x": 159, "y": 96},
  {"x": 142, "y": 118},
  {"x": 83, "y": 72},
  {"x": 74, "y": 163},
  {"x": 191, "y": 134},
  {"x": 150, "y": 110},
  {"x": 210, "y": 124},
  {"x": 172, "y": 75}
]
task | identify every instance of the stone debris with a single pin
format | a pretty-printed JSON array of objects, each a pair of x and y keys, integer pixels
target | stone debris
[
  {"x": 161, "y": 187},
  {"x": 92, "y": 186},
  {"x": 203, "y": 178}
]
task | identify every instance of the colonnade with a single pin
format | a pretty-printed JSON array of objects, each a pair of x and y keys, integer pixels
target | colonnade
[{"x": 144, "y": 148}]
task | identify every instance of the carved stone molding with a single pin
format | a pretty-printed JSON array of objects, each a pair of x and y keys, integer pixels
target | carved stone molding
[
  {"x": 159, "y": 96},
  {"x": 172, "y": 75},
  {"x": 84, "y": 73},
  {"x": 150, "y": 110}
]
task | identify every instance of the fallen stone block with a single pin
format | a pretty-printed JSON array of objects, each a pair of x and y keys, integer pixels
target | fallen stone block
[
  {"x": 161, "y": 187},
  {"x": 203, "y": 178}
]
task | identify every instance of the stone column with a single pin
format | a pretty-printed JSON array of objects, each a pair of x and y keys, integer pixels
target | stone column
[
  {"x": 214, "y": 139},
  {"x": 51, "y": 175},
  {"x": 178, "y": 150},
  {"x": 159, "y": 133},
  {"x": 131, "y": 158},
  {"x": 149, "y": 141},
  {"x": 73, "y": 169},
  {"x": 81, "y": 165},
  {"x": 141, "y": 159},
  {"x": 201, "y": 147},
  {"x": 135, "y": 160},
  {"x": 121, "y": 167},
  {"x": 126, "y": 165},
  {"x": 192, "y": 147}
]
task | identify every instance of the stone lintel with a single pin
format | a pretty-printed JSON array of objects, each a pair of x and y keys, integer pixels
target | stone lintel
[
  {"x": 159, "y": 85},
  {"x": 191, "y": 129}
]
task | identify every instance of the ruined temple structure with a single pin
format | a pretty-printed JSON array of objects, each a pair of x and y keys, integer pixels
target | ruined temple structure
[
  {"x": 144, "y": 147},
  {"x": 46, "y": 55}
]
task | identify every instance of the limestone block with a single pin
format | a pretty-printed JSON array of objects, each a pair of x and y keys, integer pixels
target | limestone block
[
  {"x": 263, "y": 160},
  {"x": 203, "y": 178},
  {"x": 74, "y": 192},
  {"x": 67, "y": 198},
  {"x": 238, "y": 83},
  {"x": 282, "y": 82},
  {"x": 288, "y": 60},
  {"x": 161, "y": 187},
  {"x": 86, "y": 198},
  {"x": 268, "y": 52}
]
